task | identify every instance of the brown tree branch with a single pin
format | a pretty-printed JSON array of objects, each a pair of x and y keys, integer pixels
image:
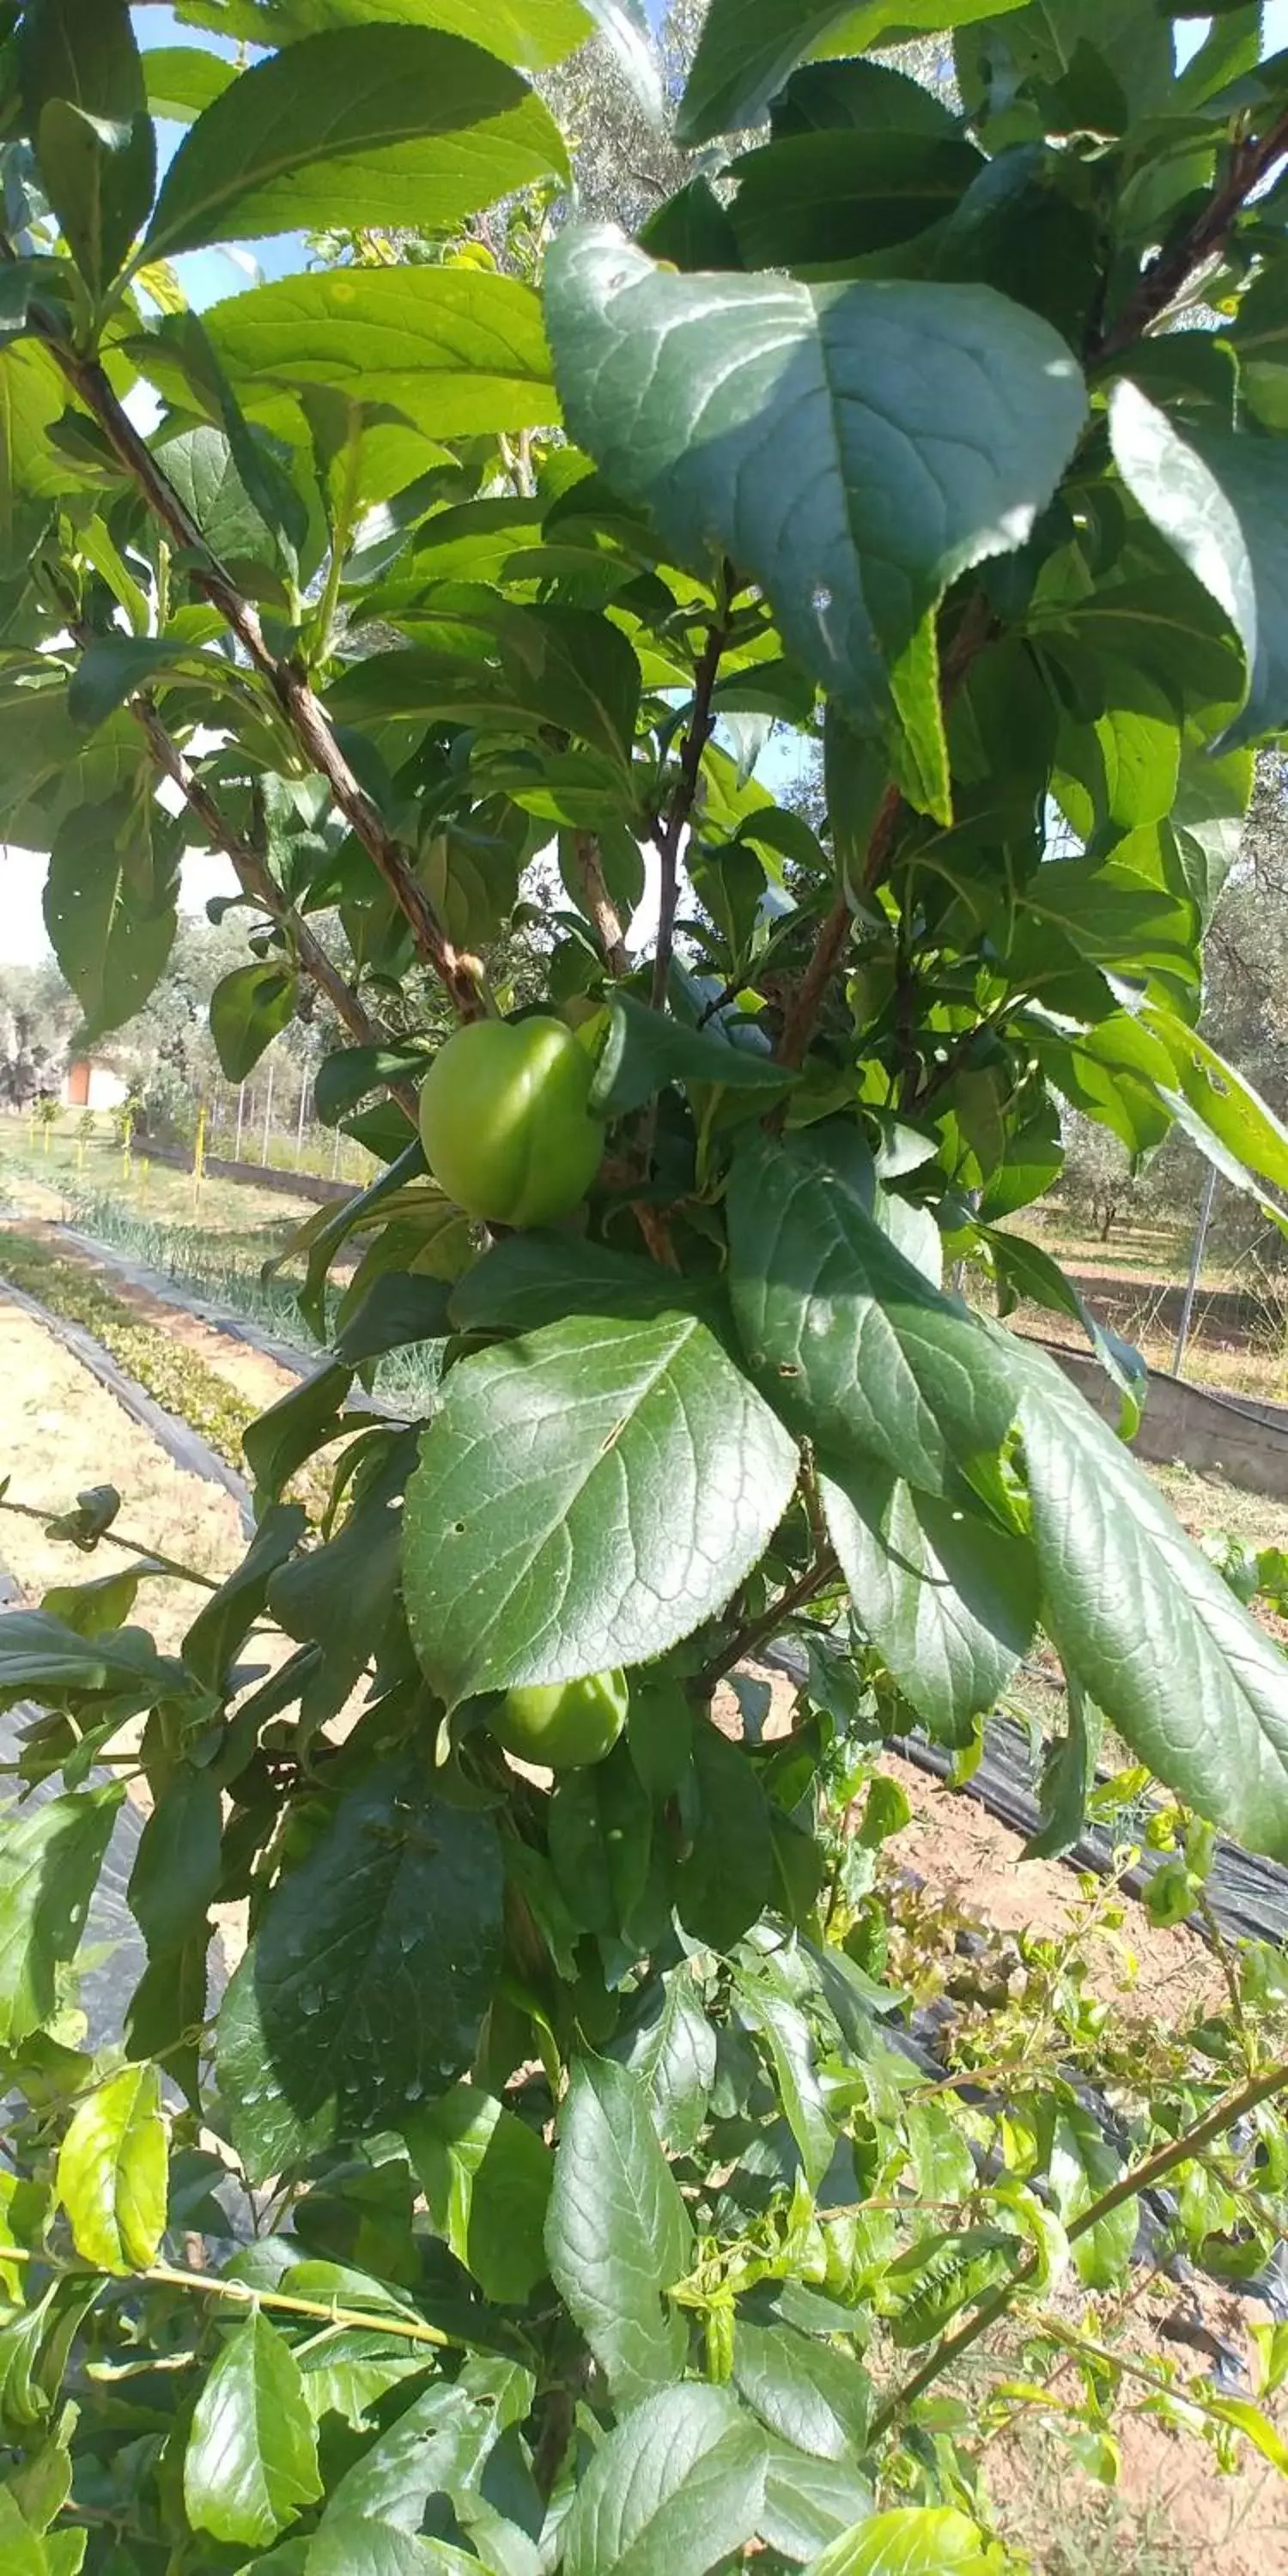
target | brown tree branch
[
  {"x": 761, "y": 1632},
  {"x": 459, "y": 974},
  {"x": 668, "y": 835},
  {"x": 605, "y": 918},
  {"x": 1168, "y": 274}
]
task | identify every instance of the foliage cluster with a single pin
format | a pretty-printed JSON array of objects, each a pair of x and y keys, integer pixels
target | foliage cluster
[{"x": 566, "y": 2201}]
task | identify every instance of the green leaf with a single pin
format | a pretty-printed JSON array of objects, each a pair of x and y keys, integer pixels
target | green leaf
[
  {"x": 913, "y": 2541},
  {"x": 724, "y": 1881},
  {"x": 1221, "y": 1097},
  {"x": 24, "y": 2549},
  {"x": 111, "y": 907},
  {"x": 178, "y": 1864},
  {"x": 1068, "y": 1778},
  {"x": 248, "y": 1010},
  {"x": 294, "y": 1429},
  {"x": 1147, "y": 1623},
  {"x": 363, "y": 2545},
  {"x": 112, "y": 2172},
  {"x": 861, "y": 1353},
  {"x": 113, "y": 669},
  {"x": 1221, "y": 500},
  {"x": 949, "y": 1599},
  {"x": 367, "y": 1982},
  {"x": 718, "y": 401},
  {"x": 672, "y": 2053},
  {"x": 435, "y": 2447},
  {"x": 749, "y": 48},
  {"x": 539, "y": 1278},
  {"x": 788, "y": 2038},
  {"x": 645, "y": 1049},
  {"x": 95, "y": 1609},
  {"x": 203, "y": 470},
  {"x": 354, "y": 127},
  {"x": 808, "y": 2393},
  {"x": 250, "y": 2467},
  {"x": 624, "y": 27},
  {"x": 815, "y": 201},
  {"x": 452, "y": 350},
  {"x": 617, "y": 2234},
  {"x": 395, "y": 1311},
  {"x": 674, "y": 2491},
  {"x": 182, "y": 82},
  {"x": 32, "y": 397},
  {"x": 230, "y": 1613},
  {"x": 50, "y": 1858},
  {"x": 624, "y": 1471},
  {"x": 1082, "y": 2167},
  {"x": 486, "y": 2178},
  {"x": 84, "y": 101},
  {"x": 530, "y": 669},
  {"x": 808, "y": 2501}
]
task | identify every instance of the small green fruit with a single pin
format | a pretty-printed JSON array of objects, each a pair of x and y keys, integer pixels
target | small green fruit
[
  {"x": 564, "y": 1726},
  {"x": 505, "y": 1124}
]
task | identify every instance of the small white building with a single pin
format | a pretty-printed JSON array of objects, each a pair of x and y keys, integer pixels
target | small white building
[{"x": 89, "y": 1084}]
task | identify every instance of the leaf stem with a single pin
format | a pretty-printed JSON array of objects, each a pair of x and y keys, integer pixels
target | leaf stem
[
  {"x": 157, "y": 1561},
  {"x": 327, "y": 2311},
  {"x": 1138, "y": 2178}
]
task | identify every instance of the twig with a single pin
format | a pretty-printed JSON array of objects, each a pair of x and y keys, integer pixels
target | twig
[
  {"x": 759, "y": 1632},
  {"x": 668, "y": 835},
  {"x": 605, "y": 918},
  {"x": 460, "y": 975},
  {"x": 1168, "y": 273},
  {"x": 830, "y": 944},
  {"x": 171, "y": 2276},
  {"x": 1138, "y": 2178},
  {"x": 156, "y": 1562}
]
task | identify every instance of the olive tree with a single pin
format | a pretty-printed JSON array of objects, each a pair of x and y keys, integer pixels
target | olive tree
[{"x": 532, "y": 2192}]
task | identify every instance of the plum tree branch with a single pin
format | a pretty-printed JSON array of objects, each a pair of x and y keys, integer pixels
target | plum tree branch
[
  {"x": 459, "y": 974},
  {"x": 1139, "y": 2177},
  {"x": 1169, "y": 271},
  {"x": 605, "y": 919}
]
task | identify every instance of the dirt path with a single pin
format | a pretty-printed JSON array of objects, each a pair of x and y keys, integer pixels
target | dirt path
[{"x": 60, "y": 1432}]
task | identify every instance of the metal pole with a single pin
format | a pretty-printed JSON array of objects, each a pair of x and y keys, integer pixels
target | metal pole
[
  {"x": 299, "y": 1132},
  {"x": 1196, "y": 1270},
  {"x": 241, "y": 1112},
  {"x": 268, "y": 1110}
]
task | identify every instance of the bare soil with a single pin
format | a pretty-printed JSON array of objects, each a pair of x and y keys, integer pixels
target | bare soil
[{"x": 61, "y": 1432}]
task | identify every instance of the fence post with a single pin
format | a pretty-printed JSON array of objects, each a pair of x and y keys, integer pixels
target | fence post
[
  {"x": 268, "y": 1111},
  {"x": 241, "y": 1112},
  {"x": 199, "y": 1158},
  {"x": 1196, "y": 1270},
  {"x": 299, "y": 1132}
]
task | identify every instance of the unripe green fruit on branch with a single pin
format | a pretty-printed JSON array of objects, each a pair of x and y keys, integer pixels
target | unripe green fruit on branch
[
  {"x": 564, "y": 1725},
  {"x": 505, "y": 1124}
]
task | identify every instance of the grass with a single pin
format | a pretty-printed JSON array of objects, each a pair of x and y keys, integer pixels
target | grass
[{"x": 324, "y": 1157}]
